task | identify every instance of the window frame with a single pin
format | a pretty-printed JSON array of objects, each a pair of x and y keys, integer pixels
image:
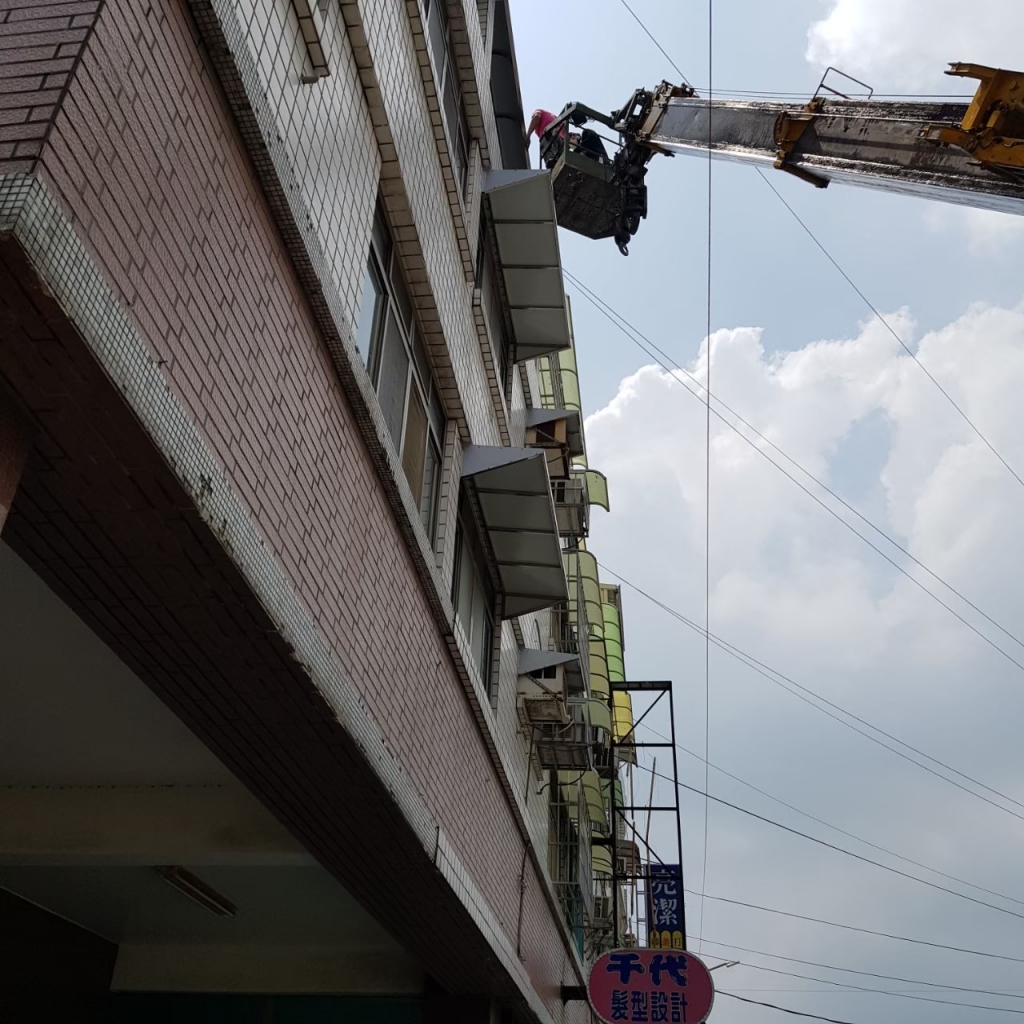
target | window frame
[
  {"x": 446, "y": 72},
  {"x": 503, "y": 347},
  {"x": 467, "y": 540},
  {"x": 384, "y": 267}
]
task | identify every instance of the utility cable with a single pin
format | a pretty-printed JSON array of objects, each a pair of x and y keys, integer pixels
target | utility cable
[
  {"x": 781, "y": 1009},
  {"x": 949, "y": 398},
  {"x": 879, "y": 991},
  {"x": 787, "y": 683},
  {"x": 707, "y": 492},
  {"x": 832, "y": 846},
  {"x": 1006, "y": 994},
  {"x": 859, "y": 930},
  {"x": 885, "y": 323},
  {"x": 836, "y": 828},
  {"x": 650, "y": 36},
  {"x": 633, "y": 333}
]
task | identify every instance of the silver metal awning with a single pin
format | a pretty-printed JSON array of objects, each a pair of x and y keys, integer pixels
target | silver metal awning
[
  {"x": 538, "y": 417},
  {"x": 513, "y": 491},
  {"x": 522, "y": 210},
  {"x": 531, "y": 660}
]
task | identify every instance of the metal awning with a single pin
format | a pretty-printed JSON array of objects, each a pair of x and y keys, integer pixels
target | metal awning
[
  {"x": 531, "y": 660},
  {"x": 522, "y": 210},
  {"x": 574, "y": 429},
  {"x": 513, "y": 490}
]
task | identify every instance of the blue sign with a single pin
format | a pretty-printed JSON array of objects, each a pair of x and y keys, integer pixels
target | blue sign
[{"x": 665, "y": 907}]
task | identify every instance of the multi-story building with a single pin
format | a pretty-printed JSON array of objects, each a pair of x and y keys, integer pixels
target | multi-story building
[{"x": 306, "y": 706}]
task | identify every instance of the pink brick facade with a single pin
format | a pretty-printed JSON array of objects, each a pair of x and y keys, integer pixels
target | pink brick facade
[{"x": 141, "y": 154}]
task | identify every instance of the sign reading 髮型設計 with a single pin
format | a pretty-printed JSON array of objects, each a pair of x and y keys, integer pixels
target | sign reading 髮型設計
[{"x": 651, "y": 986}]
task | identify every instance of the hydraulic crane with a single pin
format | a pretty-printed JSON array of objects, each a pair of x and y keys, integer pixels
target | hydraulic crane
[{"x": 971, "y": 154}]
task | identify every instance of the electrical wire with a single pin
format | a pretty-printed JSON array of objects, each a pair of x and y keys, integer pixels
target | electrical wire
[
  {"x": 707, "y": 490},
  {"x": 949, "y": 398},
  {"x": 787, "y": 683},
  {"x": 859, "y": 930},
  {"x": 885, "y": 323},
  {"x": 645, "y": 345},
  {"x": 1004, "y": 994},
  {"x": 649, "y": 35},
  {"x": 832, "y": 846},
  {"x": 781, "y": 1009},
  {"x": 836, "y": 828},
  {"x": 879, "y": 991}
]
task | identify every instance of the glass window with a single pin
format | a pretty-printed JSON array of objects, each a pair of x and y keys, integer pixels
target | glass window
[
  {"x": 415, "y": 451},
  {"x": 397, "y": 360},
  {"x": 369, "y": 311},
  {"x": 449, "y": 89},
  {"x": 490, "y": 298},
  {"x": 473, "y": 597}
]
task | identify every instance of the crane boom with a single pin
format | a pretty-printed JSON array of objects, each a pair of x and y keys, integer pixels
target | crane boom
[{"x": 971, "y": 154}]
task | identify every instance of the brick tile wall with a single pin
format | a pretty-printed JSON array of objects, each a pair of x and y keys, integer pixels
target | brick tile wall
[
  {"x": 153, "y": 172},
  {"x": 40, "y": 45}
]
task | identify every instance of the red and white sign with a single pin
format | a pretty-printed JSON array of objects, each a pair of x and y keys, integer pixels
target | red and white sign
[{"x": 648, "y": 986}]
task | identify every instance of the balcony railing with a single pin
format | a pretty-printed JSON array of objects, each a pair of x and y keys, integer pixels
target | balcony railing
[{"x": 572, "y": 506}]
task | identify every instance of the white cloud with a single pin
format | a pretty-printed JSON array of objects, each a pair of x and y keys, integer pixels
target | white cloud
[
  {"x": 904, "y": 45},
  {"x": 791, "y": 586},
  {"x": 985, "y": 232}
]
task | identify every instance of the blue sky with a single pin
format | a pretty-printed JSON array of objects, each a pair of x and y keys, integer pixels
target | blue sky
[
  {"x": 766, "y": 272},
  {"x": 796, "y": 352}
]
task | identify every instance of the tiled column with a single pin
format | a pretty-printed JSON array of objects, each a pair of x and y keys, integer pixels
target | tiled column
[{"x": 14, "y": 442}]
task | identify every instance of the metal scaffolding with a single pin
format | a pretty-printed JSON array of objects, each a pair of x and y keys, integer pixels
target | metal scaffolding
[{"x": 629, "y": 865}]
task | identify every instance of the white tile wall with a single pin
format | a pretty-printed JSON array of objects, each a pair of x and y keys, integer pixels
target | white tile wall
[{"x": 328, "y": 131}]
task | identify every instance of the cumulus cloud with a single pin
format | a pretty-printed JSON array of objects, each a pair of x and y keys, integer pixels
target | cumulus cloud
[
  {"x": 904, "y": 45},
  {"x": 793, "y": 587},
  {"x": 987, "y": 233}
]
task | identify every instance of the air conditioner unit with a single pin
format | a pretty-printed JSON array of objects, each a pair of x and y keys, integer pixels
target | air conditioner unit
[{"x": 543, "y": 697}]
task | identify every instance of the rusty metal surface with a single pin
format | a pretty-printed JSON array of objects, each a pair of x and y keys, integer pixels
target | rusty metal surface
[{"x": 873, "y": 144}]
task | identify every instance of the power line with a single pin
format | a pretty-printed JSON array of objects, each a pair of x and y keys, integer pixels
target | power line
[
  {"x": 910, "y": 352},
  {"x": 862, "y": 931},
  {"x": 664, "y": 53},
  {"x": 879, "y": 991},
  {"x": 1004, "y": 994},
  {"x": 782, "y": 680},
  {"x": 828, "y": 255},
  {"x": 836, "y": 828},
  {"x": 646, "y": 345},
  {"x": 832, "y": 846},
  {"x": 707, "y": 494},
  {"x": 781, "y": 1009}
]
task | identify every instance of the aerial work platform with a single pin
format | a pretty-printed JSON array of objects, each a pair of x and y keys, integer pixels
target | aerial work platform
[{"x": 971, "y": 154}]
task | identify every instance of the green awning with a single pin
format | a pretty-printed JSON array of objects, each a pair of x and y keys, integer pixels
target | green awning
[
  {"x": 601, "y": 860},
  {"x": 597, "y": 487},
  {"x": 600, "y": 714},
  {"x": 594, "y": 797}
]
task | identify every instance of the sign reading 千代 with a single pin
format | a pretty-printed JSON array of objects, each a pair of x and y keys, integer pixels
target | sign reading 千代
[
  {"x": 665, "y": 928},
  {"x": 649, "y": 986}
]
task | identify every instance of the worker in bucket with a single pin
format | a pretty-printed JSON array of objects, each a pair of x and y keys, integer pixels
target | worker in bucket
[{"x": 587, "y": 142}]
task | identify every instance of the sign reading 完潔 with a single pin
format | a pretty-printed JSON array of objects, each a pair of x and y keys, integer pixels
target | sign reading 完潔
[{"x": 665, "y": 925}]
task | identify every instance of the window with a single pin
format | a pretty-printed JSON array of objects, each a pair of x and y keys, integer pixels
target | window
[
  {"x": 490, "y": 298},
  {"x": 449, "y": 88},
  {"x": 389, "y": 342},
  {"x": 473, "y": 595}
]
